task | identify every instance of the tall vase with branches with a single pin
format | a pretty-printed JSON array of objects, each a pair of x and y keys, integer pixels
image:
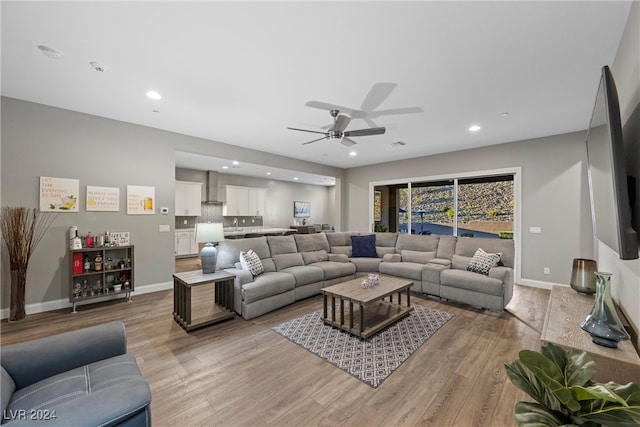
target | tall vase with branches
[{"x": 22, "y": 230}]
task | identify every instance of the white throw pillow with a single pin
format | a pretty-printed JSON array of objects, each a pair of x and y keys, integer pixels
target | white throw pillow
[
  {"x": 250, "y": 261},
  {"x": 482, "y": 262}
]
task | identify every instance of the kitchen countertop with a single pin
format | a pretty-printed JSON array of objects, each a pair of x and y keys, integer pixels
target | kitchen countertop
[{"x": 241, "y": 231}]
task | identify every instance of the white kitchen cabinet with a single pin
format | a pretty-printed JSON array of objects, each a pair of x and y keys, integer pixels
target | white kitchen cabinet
[
  {"x": 186, "y": 243},
  {"x": 188, "y": 198},
  {"x": 244, "y": 201},
  {"x": 183, "y": 242}
]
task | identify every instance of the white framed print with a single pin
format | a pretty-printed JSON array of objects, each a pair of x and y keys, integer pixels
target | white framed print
[
  {"x": 140, "y": 200},
  {"x": 59, "y": 194},
  {"x": 105, "y": 199}
]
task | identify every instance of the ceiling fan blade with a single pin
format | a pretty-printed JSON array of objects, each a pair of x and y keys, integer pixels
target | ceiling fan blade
[
  {"x": 376, "y": 96},
  {"x": 342, "y": 121},
  {"x": 347, "y": 142},
  {"x": 329, "y": 107},
  {"x": 306, "y": 130},
  {"x": 371, "y": 123},
  {"x": 407, "y": 110},
  {"x": 365, "y": 132},
  {"x": 315, "y": 140}
]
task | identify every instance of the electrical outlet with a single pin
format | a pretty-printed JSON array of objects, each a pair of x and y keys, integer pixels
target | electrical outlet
[{"x": 547, "y": 270}]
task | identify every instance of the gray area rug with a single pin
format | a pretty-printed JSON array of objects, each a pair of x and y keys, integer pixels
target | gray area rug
[{"x": 370, "y": 360}]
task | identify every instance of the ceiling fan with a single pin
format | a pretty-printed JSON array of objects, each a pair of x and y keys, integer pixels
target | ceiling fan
[
  {"x": 337, "y": 131},
  {"x": 378, "y": 93}
]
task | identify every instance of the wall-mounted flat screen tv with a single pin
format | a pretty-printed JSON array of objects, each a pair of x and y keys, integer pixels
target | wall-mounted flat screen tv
[{"x": 610, "y": 207}]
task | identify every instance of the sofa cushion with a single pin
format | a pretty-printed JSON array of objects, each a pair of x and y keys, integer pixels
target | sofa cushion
[
  {"x": 311, "y": 242},
  {"x": 283, "y": 261},
  {"x": 366, "y": 265},
  {"x": 363, "y": 246},
  {"x": 446, "y": 247},
  {"x": 341, "y": 238},
  {"x": 381, "y": 251},
  {"x": 281, "y": 245},
  {"x": 315, "y": 256},
  {"x": 250, "y": 261},
  {"x": 407, "y": 270},
  {"x": 386, "y": 239},
  {"x": 415, "y": 242},
  {"x": 467, "y": 280},
  {"x": 266, "y": 285},
  {"x": 482, "y": 262},
  {"x": 7, "y": 387},
  {"x": 305, "y": 274},
  {"x": 343, "y": 250},
  {"x": 417, "y": 256},
  {"x": 229, "y": 250},
  {"x": 87, "y": 393},
  {"x": 467, "y": 246},
  {"x": 333, "y": 270}
]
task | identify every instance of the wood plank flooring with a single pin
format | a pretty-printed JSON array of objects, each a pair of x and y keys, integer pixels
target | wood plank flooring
[{"x": 240, "y": 373}]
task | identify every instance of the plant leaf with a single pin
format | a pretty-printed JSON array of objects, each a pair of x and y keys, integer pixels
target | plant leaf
[
  {"x": 525, "y": 380},
  {"x": 579, "y": 368},
  {"x": 621, "y": 408},
  {"x": 535, "y": 415},
  {"x": 550, "y": 374}
]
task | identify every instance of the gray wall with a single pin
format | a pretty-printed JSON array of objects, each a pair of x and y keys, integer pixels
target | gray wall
[
  {"x": 555, "y": 195},
  {"x": 43, "y": 141}
]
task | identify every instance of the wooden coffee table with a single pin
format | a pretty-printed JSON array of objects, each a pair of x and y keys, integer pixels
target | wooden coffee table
[{"x": 369, "y": 312}]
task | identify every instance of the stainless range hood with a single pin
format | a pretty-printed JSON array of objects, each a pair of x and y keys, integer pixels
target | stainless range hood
[{"x": 211, "y": 189}]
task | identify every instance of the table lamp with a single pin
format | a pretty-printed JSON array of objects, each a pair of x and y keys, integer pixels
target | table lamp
[{"x": 209, "y": 233}]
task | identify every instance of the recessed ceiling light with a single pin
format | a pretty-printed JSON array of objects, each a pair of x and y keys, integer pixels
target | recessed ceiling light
[
  {"x": 295, "y": 178},
  {"x": 474, "y": 128},
  {"x": 153, "y": 95},
  {"x": 505, "y": 114},
  {"x": 235, "y": 163},
  {"x": 50, "y": 52},
  {"x": 268, "y": 173},
  {"x": 155, "y": 111},
  {"x": 353, "y": 153},
  {"x": 225, "y": 167},
  {"x": 399, "y": 143}
]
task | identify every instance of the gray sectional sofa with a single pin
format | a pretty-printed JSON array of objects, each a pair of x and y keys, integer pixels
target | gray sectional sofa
[{"x": 299, "y": 266}]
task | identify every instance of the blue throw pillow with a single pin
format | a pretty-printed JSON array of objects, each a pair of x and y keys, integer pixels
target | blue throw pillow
[{"x": 363, "y": 246}]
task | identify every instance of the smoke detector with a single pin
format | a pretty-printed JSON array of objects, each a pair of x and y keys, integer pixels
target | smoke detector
[{"x": 50, "y": 52}]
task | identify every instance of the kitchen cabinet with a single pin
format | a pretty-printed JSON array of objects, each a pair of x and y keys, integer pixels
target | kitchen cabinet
[
  {"x": 244, "y": 201},
  {"x": 186, "y": 244},
  {"x": 188, "y": 198}
]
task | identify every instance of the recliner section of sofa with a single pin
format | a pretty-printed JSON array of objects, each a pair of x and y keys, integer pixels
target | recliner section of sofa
[
  {"x": 299, "y": 266},
  {"x": 79, "y": 378},
  {"x": 296, "y": 267}
]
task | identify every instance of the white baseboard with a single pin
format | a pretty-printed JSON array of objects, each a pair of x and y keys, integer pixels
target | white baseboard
[
  {"x": 539, "y": 283},
  {"x": 40, "y": 307}
]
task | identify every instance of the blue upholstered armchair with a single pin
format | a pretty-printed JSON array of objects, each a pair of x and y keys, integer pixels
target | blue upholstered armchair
[{"x": 78, "y": 378}]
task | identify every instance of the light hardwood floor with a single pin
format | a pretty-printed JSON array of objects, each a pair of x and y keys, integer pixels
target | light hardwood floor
[{"x": 241, "y": 373}]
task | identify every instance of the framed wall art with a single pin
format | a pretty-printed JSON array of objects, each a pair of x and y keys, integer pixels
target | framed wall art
[
  {"x": 59, "y": 194},
  {"x": 301, "y": 209}
]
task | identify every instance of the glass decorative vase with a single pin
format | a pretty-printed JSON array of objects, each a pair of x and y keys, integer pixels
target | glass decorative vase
[{"x": 603, "y": 322}]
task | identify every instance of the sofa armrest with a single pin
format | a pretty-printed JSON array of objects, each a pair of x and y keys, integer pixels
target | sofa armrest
[
  {"x": 506, "y": 275},
  {"x": 392, "y": 258},
  {"x": 242, "y": 277},
  {"x": 338, "y": 257},
  {"x": 32, "y": 361}
]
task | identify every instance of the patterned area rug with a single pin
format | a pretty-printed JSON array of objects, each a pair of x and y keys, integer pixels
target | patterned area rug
[{"x": 370, "y": 360}]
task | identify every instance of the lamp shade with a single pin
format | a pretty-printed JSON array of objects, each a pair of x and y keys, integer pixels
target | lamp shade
[{"x": 209, "y": 232}]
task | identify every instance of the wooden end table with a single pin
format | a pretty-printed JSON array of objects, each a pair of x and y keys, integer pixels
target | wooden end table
[{"x": 206, "y": 313}]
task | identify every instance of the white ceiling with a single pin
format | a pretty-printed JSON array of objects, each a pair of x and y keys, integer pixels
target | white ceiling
[{"x": 241, "y": 72}]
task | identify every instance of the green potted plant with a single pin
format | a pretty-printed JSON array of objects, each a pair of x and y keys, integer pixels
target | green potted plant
[{"x": 560, "y": 382}]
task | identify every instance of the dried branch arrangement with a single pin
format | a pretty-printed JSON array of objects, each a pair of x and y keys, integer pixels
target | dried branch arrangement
[{"x": 22, "y": 230}]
